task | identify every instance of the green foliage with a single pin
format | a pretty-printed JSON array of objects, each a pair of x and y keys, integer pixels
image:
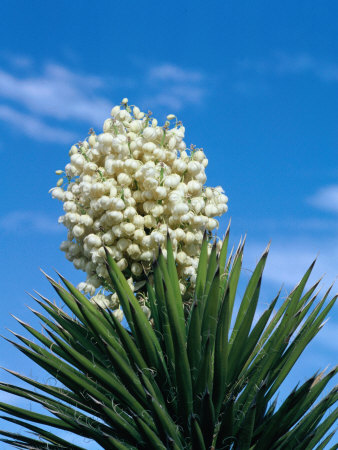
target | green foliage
[{"x": 186, "y": 379}]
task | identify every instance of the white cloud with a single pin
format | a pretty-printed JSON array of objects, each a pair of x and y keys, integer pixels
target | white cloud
[
  {"x": 326, "y": 198},
  {"x": 20, "y": 61},
  {"x": 171, "y": 72},
  {"x": 176, "y": 97},
  {"x": 289, "y": 259},
  {"x": 175, "y": 87},
  {"x": 58, "y": 93},
  {"x": 297, "y": 64},
  {"x": 52, "y": 93},
  {"x": 28, "y": 221},
  {"x": 34, "y": 127}
]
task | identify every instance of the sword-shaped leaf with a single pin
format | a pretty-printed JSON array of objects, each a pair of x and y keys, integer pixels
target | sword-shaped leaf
[{"x": 250, "y": 292}]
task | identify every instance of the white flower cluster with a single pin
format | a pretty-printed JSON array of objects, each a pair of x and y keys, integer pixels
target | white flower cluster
[{"x": 126, "y": 187}]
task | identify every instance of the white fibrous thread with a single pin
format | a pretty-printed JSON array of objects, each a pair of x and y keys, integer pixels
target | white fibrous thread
[{"x": 125, "y": 189}]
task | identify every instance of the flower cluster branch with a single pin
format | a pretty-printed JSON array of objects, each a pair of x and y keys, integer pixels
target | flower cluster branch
[{"x": 126, "y": 188}]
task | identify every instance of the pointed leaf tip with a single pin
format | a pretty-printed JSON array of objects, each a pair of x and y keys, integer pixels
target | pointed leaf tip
[{"x": 267, "y": 248}]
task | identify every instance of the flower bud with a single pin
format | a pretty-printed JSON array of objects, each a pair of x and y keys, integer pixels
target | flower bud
[
  {"x": 64, "y": 246},
  {"x": 118, "y": 313},
  {"x": 122, "y": 264},
  {"x": 180, "y": 208},
  {"x": 149, "y": 133},
  {"x": 128, "y": 228},
  {"x": 115, "y": 216},
  {"x": 146, "y": 311},
  {"x": 194, "y": 187},
  {"x": 172, "y": 143},
  {"x": 73, "y": 150},
  {"x": 134, "y": 251},
  {"x": 136, "y": 269},
  {"x": 58, "y": 193},
  {"x": 181, "y": 258},
  {"x": 147, "y": 256},
  {"x": 108, "y": 238},
  {"x": 211, "y": 210},
  {"x": 123, "y": 179},
  {"x": 115, "y": 111},
  {"x": 157, "y": 238},
  {"x": 93, "y": 240},
  {"x": 92, "y": 140},
  {"x": 123, "y": 244},
  {"x": 212, "y": 224},
  {"x": 101, "y": 300},
  {"x": 171, "y": 181},
  {"x": 78, "y": 231},
  {"x": 160, "y": 193},
  {"x": 194, "y": 167},
  {"x": 149, "y": 221}
]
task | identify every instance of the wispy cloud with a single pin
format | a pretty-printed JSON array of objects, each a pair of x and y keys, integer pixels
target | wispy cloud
[
  {"x": 44, "y": 101},
  {"x": 19, "y": 61},
  {"x": 296, "y": 64},
  {"x": 34, "y": 127},
  {"x": 289, "y": 258},
  {"x": 176, "y": 97},
  {"x": 326, "y": 198},
  {"x": 28, "y": 221},
  {"x": 175, "y": 87},
  {"x": 171, "y": 72},
  {"x": 57, "y": 92}
]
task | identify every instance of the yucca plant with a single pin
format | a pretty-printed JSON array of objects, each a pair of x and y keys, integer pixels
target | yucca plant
[{"x": 191, "y": 377}]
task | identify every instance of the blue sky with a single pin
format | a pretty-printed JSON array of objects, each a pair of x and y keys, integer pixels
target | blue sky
[{"x": 255, "y": 84}]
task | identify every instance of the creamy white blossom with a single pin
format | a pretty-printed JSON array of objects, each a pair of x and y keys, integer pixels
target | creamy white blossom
[{"x": 126, "y": 189}]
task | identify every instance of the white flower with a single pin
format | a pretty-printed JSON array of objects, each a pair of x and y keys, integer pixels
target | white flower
[
  {"x": 115, "y": 216},
  {"x": 157, "y": 237},
  {"x": 58, "y": 193},
  {"x": 123, "y": 179},
  {"x": 134, "y": 251},
  {"x": 194, "y": 167},
  {"x": 102, "y": 301},
  {"x": 146, "y": 311},
  {"x": 179, "y": 166},
  {"x": 123, "y": 264},
  {"x": 123, "y": 244},
  {"x": 147, "y": 256},
  {"x": 78, "y": 231},
  {"x": 115, "y": 111},
  {"x": 211, "y": 210},
  {"x": 93, "y": 240},
  {"x": 160, "y": 193},
  {"x": 126, "y": 188},
  {"x": 180, "y": 208},
  {"x": 136, "y": 269},
  {"x": 118, "y": 313},
  {"x": 128, "y": 228},
  {"x": 194, "y": 187},
  {"x": 149, "y": 133},
  {"x": 172, "y": 181}
]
